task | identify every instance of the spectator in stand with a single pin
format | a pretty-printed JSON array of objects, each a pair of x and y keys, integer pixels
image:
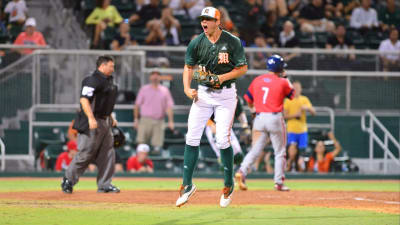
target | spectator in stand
[
  {"x": 226, "y": 22},
  {"x": 3, "y": 28},
  {"x": 345, "y": 7},
  {"x": 288, "y": 39},
  {"x": 295, "y": 6},
  {"x": 252, "y": 14},
  {"x": 170, "y": 27},
  {"x": 176, "y": 6},
  {"x": 29, "y": 37},
  {"x": 164, "y": 31},
  {"x": 333, "y": 9},
  {"x": 270, "y": 28},
  {"x": 277, "y": 6},
  {"x": 259, "y": 60},
  {"x": 312, "y": 18},
  {"x": 140, "y": 163},
  {"x": 152, "y": 103},
  {"x": 339, "y": 40},
  {"x": 147, "y": 13},
  {"x": 297, "y": 137},
  {"x": 236, "y": 33},
  {"x": 123, "y": 38},
  {"x": 364, "y": 18},
  {"x": 391, "y": 62},
  {"x": 104, "y": 16},
  {"x": 155, "y": 36},
  {"x": 321, "y": 160},
  {"x": 389, "y": 16},
  {"x": 194, "y": 7},
  {"x": 17, "y": 12},
  {"x": 140, "y": 3},
  {"x": 65, "y": 158}
]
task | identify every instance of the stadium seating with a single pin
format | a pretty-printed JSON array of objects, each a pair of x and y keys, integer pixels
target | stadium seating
[
  {"x": 139, "y": 33},
  {"x": 16, "y": 140},
  {"x": 207, "y": 153},
  {"x": 176, "y": 151},
  {"x": 51, "y": 153},
  {"x": 14, "y": 89},
  {"x": 306, "y": 40},
  {"x": 44, "y": 136}
]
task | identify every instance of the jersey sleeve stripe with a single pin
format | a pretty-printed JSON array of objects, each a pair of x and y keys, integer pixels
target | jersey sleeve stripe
[
  {"x": 249, "y": 96},
  {"x": 290, "y": 95}
]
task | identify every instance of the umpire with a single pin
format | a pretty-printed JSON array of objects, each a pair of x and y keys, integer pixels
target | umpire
[{"x": 93, "y": 122}]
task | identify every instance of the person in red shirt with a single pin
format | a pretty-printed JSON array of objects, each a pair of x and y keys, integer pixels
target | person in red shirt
[
  {"x": 29, "y": 37},
  {"x": 65, "y": 158},
  {"x": 321, "y": 162},
  {"x": 140, "y": 163},
  {"x": 266, "y": 94}
]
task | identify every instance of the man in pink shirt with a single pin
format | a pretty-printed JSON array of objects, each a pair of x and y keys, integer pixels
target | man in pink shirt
[
  {"x": 152, "y": 103},
  {"x": 29, "y": 37}
]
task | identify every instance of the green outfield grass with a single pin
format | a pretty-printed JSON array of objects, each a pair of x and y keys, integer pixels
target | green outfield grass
[
  {"x": 69, "y": 212},
  {"x": 100, "y": 213},
  {"x": 210, "y": 184}
]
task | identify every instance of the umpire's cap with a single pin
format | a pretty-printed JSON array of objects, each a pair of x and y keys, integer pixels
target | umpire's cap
[
  {"x": 210, "y": 12},
  {"x": 276, "y": 63},
  {"x": 119, "y": 137}
]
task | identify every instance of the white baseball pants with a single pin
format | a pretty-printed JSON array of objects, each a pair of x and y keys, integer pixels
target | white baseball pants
[{"x": 221, "y": 102}]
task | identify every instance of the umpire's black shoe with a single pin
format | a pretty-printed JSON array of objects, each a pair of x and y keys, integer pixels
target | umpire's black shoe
[
  {"x": 66, "y": 186},
  {"x": 109, "y": 189}
]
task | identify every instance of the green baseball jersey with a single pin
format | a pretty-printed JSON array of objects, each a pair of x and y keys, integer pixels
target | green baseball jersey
[{"x": 219, "y": 58}]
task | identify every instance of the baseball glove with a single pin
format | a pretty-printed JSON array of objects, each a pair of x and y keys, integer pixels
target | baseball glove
[{"x": 206, "y": 78}]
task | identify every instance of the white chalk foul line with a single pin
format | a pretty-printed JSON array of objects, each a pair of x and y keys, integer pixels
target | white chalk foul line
[{"x": 372, "y": 200}]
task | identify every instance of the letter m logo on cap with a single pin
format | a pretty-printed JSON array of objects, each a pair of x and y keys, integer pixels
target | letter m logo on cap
[{"x": 210, "y": 12}]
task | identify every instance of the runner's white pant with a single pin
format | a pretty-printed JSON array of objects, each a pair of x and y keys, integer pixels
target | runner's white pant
[
  {"x": 274, "y": 125},
  {"x": 222, "y": 103},
  {"x": 234, "y": 142}
]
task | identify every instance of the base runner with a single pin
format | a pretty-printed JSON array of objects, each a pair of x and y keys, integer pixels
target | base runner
[{"x": 266, "y": 94}]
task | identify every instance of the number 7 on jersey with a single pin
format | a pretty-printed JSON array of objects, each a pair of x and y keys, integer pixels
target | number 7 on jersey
[{"x": 265, "y": 89}]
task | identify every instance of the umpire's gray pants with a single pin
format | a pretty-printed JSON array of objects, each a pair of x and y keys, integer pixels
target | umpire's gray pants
[{"x": 96, "y": 147}]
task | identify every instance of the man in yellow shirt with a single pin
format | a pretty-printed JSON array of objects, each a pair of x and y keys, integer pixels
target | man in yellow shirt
[{"x": 295, "y": 114}]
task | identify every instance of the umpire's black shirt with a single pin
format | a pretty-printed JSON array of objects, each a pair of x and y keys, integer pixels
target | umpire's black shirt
[{"x": 101, "y": 92}]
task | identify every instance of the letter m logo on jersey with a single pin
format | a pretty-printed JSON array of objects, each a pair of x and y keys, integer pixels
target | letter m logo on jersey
[{"x": 223, "y": 57}]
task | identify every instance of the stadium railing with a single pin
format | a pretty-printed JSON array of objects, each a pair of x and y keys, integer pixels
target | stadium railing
[
  {"x": 71, "y": 109},
  {"x": 39, "y": 116},
  {"x": 52, "y": 77},
  {"x": 2, "y": 155},
  {"x": 384, "y": 144}
]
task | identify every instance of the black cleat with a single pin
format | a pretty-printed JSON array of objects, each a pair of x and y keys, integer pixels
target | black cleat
[
  {"x": 66, "y": 186},
  {"x": 109, "y": 189}
]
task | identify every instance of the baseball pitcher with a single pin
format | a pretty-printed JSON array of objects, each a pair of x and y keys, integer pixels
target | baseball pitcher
[{"x": 214, "y": 59}]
